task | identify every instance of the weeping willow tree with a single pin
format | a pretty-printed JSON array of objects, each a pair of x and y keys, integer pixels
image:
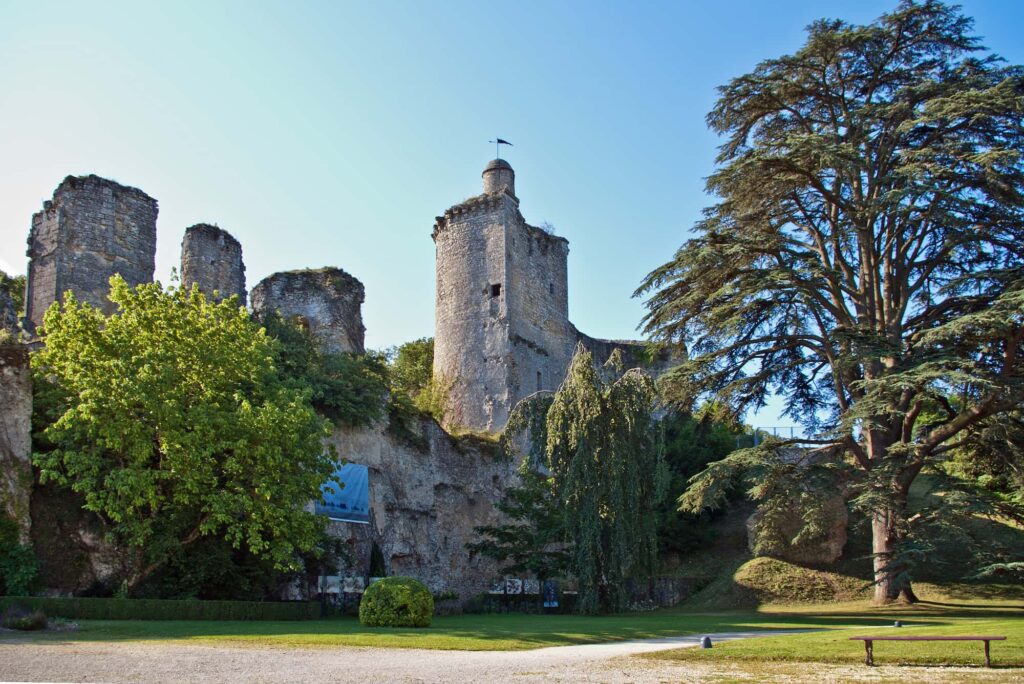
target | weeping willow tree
[{"x": 602, "y": 449}]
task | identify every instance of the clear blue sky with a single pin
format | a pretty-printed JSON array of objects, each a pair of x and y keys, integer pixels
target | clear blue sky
[{"x": 332, "y": 133}]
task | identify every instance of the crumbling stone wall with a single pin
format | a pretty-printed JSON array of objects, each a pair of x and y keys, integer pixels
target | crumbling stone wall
[
  {"x": 90, "y": 230},
  {"x": 15, "y": 434},
  {"x": 632, "y": 354},
  {"x": 211, "y": 258},
  {"x": 327, "y": 300},
  {"x": 424, "y": 504}
]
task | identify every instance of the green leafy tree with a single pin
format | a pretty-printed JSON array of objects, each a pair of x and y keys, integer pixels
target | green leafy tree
[
  {"x": 177, "y": 426},
  {"x": 411, "y": 373},
  {"x": 691, "y": 443},
  {"x": 600, "y": 451},
  {"x": 534, "y": 540},
  {"x": 15, "y": 286},
  {"x": 347, "y": 388},
  {"x": 18, "y": 564},
  {"x": 864, "y": 259},
  {"x": 411, "y": 366}
]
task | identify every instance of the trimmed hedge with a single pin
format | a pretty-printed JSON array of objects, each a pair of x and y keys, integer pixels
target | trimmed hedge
[
  {"x": 396, "y": 602},
  {"x": 161, "y": 609}
]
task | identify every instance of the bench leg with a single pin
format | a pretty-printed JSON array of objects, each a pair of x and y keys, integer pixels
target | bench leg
[
  {"x": 869, "y": 655},
  {"x": 988, "y": 663}
]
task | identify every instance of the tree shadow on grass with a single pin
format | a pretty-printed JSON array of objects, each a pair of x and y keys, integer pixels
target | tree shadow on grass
[{"x": 488, "y": 632}]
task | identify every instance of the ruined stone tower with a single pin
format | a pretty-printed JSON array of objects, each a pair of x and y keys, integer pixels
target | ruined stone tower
[
  {"x": 502, "y": 313},
  {"x": 211, "y": 258},
  {"x": 328, "y": 301},
  {"x": 90, "y": 230}
]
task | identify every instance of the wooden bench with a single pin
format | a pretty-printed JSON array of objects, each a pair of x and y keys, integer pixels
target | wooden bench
[{"x": 869, "y": 654}]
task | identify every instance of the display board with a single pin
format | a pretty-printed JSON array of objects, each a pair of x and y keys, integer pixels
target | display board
[{"x": 352, "y": 503}]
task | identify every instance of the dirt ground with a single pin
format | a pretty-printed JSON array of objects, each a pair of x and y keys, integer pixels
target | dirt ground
[{"x": 27, "y": 660}]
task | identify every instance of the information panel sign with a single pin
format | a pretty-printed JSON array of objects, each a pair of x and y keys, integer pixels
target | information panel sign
[{"x": 352, "y": 503}]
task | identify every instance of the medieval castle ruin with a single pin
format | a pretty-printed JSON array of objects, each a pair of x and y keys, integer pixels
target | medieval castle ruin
[{"x": 502, "y": 333}]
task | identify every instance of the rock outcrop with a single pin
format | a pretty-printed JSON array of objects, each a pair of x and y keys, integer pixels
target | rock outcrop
[
  {"x": 425, "y": 501},
  {"x": 822, "y": 549},
  {"x": 15, "y": 434}
]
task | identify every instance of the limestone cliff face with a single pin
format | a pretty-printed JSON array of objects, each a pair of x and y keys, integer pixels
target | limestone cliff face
[
  {"x": 15, "y": 434},
  {"x": 328, "y": 301},
  {"x": 90, "y": 230},
  {"x": 424, "y": 505}
]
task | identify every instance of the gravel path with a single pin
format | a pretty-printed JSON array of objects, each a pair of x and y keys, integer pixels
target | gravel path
[
  {"x": 612, "y": 663},
  {"x": 176, "y": 662}
]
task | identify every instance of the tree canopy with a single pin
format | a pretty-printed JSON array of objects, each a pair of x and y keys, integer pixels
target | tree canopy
[
  {"x": 15, "y": 286},
  {"x": 347, "y": 388},
  {"x": 864, "y": 257},
  {"x": 173, "y": 423}
]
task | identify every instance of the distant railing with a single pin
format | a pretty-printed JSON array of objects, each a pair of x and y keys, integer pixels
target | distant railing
[{"x": 758, "y": 435}]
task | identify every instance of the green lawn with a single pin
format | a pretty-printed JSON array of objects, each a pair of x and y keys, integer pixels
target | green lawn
[
  {"x": 516, "y": 632},
  {"x": 835, "y": 646},
  {"x": 462, "y": 632}
]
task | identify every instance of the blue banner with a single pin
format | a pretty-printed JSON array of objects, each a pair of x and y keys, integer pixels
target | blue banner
[{"x": 352, "y": 503}]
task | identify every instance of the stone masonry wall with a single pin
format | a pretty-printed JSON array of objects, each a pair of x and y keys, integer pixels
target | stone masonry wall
[
  {"x": 424, "y": 506},
  {"x": 15, "y": 434},
  {"x": 327, "y": 300},
  {"x": 90, "y": 230},
  {"x": 211, "y": 258},
  {"x": 542, "y": 338},
  {"x": 472, "y": 353}
]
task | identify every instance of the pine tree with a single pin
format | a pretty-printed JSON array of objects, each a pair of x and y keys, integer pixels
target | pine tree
[{"x": 864, "y": 258}]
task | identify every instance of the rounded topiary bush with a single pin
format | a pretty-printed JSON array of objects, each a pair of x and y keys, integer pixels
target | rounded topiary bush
[{"x": 396, "y": 602}]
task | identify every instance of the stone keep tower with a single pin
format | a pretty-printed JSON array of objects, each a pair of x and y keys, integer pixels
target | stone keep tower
[
  {"x": 502, "y": 320},
  {"x": 90, "y": 230},
  {"x": 211, "y": 258}
]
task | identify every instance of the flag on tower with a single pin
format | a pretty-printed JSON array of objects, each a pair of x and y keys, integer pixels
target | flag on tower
[{"x": 497, "y": 142}]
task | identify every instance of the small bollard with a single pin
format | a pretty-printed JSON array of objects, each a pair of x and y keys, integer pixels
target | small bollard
[
  {"x": 705, "y": 642},
  {"x": 897, "y": 624}
]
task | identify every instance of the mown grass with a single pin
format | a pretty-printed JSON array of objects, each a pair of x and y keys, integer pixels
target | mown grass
[
  {"x": 834, "y": 646},
  {"x": 519, "y": 632},
  {"x": 462, "y": 632}
]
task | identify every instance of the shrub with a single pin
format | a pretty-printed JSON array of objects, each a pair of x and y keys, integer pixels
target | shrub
[
  {"x": 17, "y": 617},
  {"x": 18, "y": 564},
  {"x": 396, "y": 602}
]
